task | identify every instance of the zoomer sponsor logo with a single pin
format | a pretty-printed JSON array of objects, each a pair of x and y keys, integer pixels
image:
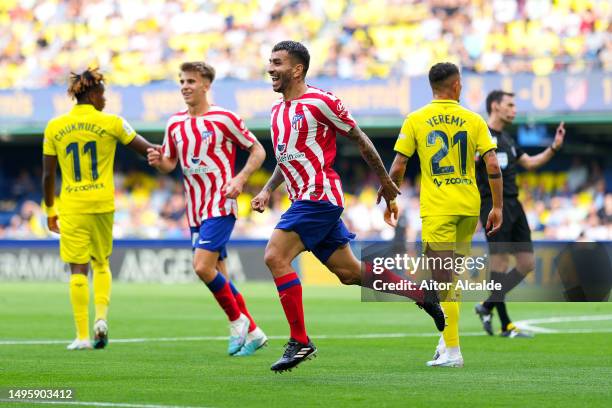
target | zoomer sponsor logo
[
  {"x": 85, "y": 187},
  {"x": 452, "y": 180},
  {"x": 458, "y": 180}
]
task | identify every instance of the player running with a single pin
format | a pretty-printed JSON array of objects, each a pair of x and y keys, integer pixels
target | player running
[
  {"x": 83, "y": 142},
  {"x": 305, "y": 123},
  {"x": 446, "y": 136},
  {"x": 203, "y": 139},
  {"x": 514, "y": 236}
]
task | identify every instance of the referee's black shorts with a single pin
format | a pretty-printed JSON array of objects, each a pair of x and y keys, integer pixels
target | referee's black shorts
[{"x": 514, "y": 235}]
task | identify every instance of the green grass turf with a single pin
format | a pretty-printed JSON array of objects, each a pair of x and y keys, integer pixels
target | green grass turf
[{"x": 550, "y": 370}]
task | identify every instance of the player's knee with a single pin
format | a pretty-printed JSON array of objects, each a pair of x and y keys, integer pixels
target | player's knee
[
  {"x": 349, "y": 279},
  {"x": 82, "y": 269},
  {"x": 526, "y": 265},
  {"x": 204, "y": 271},
  {"x": 347, "y": 276},
  {"x": 274, "y": 259}
]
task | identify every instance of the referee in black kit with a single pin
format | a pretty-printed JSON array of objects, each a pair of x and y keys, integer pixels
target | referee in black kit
[{"x": 514, "y": 238}]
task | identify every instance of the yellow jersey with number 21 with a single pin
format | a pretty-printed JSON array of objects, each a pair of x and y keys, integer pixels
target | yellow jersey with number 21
[
  {"x": 84, "y": 141},
  {"x": 446, "y": 136}
]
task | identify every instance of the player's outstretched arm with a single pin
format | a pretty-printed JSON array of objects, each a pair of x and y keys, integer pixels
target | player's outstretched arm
[
  {"x": 396, "y": 173},
  {"x": 533, "y": 162},
  {"x": 48, "y": 180},
  {"x": 156, "y": 159},
  {"x": 257, "y": 155},
  {"x": 495, "y": 218},
  {"x": 260, "y": 201},
  {"x": 141, "y": 145},
  {"x": 389, "y": 190}
]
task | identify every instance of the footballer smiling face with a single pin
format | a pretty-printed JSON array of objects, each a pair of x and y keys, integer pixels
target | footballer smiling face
[
  {"x": 282, "y": 70},
  {"x": 193, "y": 87},
  {"x": 287, "y": 67}
]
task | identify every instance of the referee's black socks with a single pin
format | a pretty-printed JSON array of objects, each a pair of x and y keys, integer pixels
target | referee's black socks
[
  {"x": 496, "y": 295},
  {"x": 508, "y": 282},
  {"x": 511, "y": 279}
]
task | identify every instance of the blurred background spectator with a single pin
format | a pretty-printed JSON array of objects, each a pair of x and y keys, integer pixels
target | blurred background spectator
[
  {"x": 149, "y": 205},
  {"x": 43, "y": 40}
]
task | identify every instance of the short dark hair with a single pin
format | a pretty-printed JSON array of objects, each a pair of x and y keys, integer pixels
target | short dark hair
[
  {"x": 204, "y": 69},
  {"x": 295, "y": 50},
  {"x": 441, "y": 72},
  {"x": 496, "y": 96}
]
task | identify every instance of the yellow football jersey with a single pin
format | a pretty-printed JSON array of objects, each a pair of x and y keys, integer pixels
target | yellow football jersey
[
  {"x": 84, "y": 141},
  {"x": 446, "y": 136}
]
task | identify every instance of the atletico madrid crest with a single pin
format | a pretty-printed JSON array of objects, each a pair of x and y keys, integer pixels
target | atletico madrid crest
[
  {"x": 297, "y": 121},
  {"x": 206, "y": 135}
]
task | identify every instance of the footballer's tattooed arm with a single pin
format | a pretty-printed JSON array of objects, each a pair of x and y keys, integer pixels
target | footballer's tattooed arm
[
  {"x": 275, "y": 180},
  {"x": 396, "y": 173},
  {"x": 389, "y": 190},
  {"x": 398, "y": 169}
]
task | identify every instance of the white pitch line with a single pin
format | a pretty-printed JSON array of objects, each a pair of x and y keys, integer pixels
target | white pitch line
[
  {"x": 532, "y": 324},
  {"x": 95, "y": 404},
  {"x": 563, "y": 319},
  {"x": 522, "y": 324},
  {"x": 224, "y": 338}
]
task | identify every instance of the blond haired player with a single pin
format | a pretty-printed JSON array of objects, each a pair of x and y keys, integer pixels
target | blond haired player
[
  {"x": 83, "y": 143},
  {"x": 446, "y": 136},
  {"x": 202, "y": 140}
]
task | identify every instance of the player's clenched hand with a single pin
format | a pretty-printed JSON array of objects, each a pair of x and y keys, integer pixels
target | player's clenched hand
[
  {"x": 233, "y": 187},
  {"x": 53, "y": 225},
  {"x": 559, "y": 136},
  {"x": 391, "y": 213},
  {"x": 388, "y": 190},
  {"x": 494, "y": 221},
  {"x": 260, "y": 201},
  {"x": 154, "y": 156}
]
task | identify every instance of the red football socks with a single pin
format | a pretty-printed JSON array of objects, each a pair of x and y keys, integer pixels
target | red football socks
[{"x": 290, "y": 293}]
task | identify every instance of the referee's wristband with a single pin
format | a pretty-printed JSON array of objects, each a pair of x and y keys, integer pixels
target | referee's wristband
[{"x": 51, "y": 211}]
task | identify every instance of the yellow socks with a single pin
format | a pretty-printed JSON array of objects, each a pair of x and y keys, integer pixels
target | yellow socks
[
  {"x": 102, "y": 280},
  {"x": 451, "y": 332},
  {"x": 79, "y": 297}
]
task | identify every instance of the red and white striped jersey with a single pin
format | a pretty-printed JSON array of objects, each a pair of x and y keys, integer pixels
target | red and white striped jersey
[
  {"x": 206, "y": 148},
  {"x": 304, "y": 138}
]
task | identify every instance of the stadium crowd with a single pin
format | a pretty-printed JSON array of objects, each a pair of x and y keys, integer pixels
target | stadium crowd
[
  {"x": 567, "y": 205},
  {"x": 45, "y": 39}
]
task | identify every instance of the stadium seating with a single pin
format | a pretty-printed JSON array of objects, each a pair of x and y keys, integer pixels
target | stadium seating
[
  {"x": 352, "y": 39},
  {"x": 151, "y": 206}
]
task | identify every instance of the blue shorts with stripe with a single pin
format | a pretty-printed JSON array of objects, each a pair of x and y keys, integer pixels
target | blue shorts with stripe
[
  {"x": 319, "y": 226},
  {"x": 213, "y": 234}
]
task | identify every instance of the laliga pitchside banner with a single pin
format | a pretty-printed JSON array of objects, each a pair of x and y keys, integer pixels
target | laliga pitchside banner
[{"x": 557, "y": 93}]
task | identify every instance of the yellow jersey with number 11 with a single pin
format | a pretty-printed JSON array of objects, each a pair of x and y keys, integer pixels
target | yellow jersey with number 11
[
  {"x": 84, "y": 141},
  {"x": 446, "y": 136}
]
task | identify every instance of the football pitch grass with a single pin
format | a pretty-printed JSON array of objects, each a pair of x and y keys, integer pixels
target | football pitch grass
[{"x": 169, "y": 349}]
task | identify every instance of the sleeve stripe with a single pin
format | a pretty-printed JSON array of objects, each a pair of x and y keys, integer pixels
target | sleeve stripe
[
  {"x": 232, "y": 128},
  {"x": 487, "y": 151}
]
